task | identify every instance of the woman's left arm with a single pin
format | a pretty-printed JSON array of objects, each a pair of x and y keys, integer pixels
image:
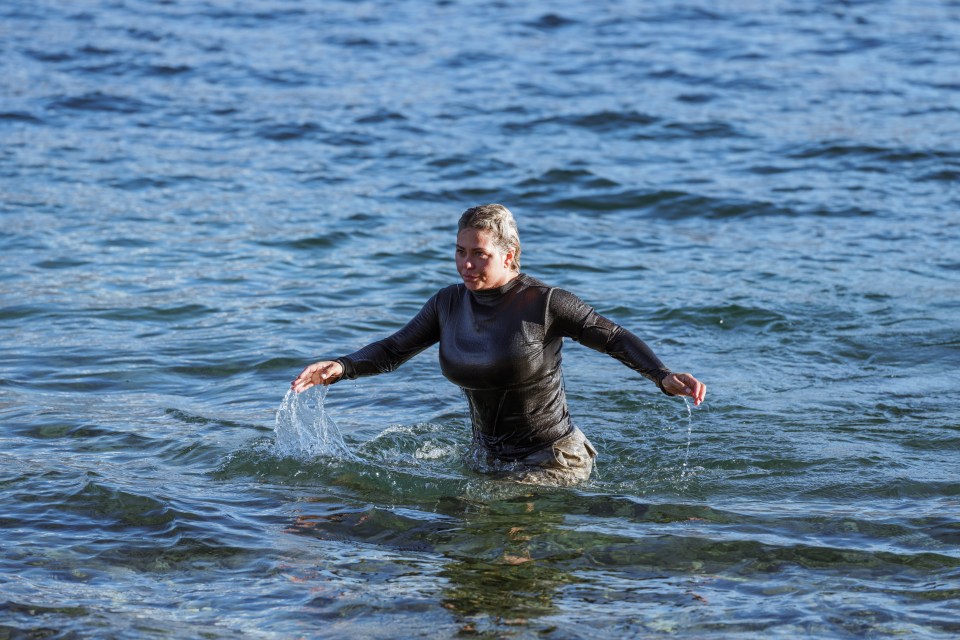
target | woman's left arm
[{"x": 571, "y": 317}]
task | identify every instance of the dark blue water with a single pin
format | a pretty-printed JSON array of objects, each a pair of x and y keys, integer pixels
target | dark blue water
[{"x": 199, "y": 197}]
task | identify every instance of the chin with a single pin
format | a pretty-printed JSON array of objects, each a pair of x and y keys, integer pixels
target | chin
[{"x": 473, "y": 285}]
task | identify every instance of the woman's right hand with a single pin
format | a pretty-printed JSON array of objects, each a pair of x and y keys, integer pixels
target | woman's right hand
[{"x": 324, "y": 372}]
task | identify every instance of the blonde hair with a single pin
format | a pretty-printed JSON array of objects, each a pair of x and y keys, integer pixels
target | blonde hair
[{"x": 498, "y": 220}]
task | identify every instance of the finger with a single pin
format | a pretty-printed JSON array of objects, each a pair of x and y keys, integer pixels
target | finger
[
  {"x": 298, "y": 382},
  {"x": 305, "y": 373},
  {"x": 302, "y": 385},
  {"x": 305, "y": 380},
  {"x": 698, "y": 391},
  {"x": 692, "y": 387}
]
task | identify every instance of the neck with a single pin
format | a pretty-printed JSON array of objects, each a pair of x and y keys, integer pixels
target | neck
[
  {"x": 510, "y": 278},
  {"x": 495, "y": 292}
]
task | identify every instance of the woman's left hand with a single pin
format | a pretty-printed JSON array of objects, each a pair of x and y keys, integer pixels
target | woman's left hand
[{"x": 684, "y": 384}]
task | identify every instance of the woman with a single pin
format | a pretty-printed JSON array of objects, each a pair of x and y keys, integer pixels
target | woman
[{"x": 500, "y": 335}]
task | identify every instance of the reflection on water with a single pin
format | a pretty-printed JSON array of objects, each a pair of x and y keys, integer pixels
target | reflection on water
[
  {"x": 501, "y": 560},
  {"x": 515, "y": 588}
]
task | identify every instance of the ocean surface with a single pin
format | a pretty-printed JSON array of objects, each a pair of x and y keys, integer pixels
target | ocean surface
[{"x": 200, "y": 197}]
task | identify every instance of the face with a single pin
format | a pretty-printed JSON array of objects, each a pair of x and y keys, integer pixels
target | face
[{"x": 480, "y": 263}]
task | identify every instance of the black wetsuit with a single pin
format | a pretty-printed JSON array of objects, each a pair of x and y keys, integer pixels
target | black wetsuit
[{"x": 502, "y": 347}]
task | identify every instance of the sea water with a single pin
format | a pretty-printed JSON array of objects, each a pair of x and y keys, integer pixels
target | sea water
[{"x": 200, "y": 197}]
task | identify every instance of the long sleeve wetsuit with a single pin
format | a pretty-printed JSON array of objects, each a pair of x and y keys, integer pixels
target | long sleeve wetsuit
[{"x": 502, "y": 348}]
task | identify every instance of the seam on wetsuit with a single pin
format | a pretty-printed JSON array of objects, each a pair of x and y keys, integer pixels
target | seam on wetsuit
[
  {"x": 546, "y": 312},
  {"x": 496, "y": 416}
]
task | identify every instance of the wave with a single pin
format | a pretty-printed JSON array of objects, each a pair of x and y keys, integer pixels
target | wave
[
  {"x": 551, "y": 21},
  {"x": 165, "y": 70},
  {"x": 24, "y": 311},
  {"x": 381, "y": 116},
  {"x": 664, "y": 204},
  {"x": 885, "y": 155},
  {"x": 600, "y": 121},
  {"x": 895, "y": 488},
  {"x": 566, "y": 177},
  {"x": 286, "y": 132},
  {"x": 20, "y": 116},
  {"x": 311, "y": 243},
  {"x": 944, "y": 175},
  {"x": 623, "y": 532},
  {"x": 726, "y": 317},
  {"x": 100, "y": 500},
  {"x": 99, "y": 101},
  {"x": 148, "y": 314}
]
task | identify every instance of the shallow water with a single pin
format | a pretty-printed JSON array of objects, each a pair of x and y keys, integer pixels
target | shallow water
[{"x": 198, "y": 197}]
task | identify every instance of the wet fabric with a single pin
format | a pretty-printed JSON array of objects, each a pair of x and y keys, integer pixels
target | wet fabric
[
  {"x": 566, "y": 462},
  {"x": 502, "y": 347}
]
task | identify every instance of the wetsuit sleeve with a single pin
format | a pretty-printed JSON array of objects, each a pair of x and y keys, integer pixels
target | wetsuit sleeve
[
  {"x": 569, "y": 316},
  {"x": 386, "y": 355}
]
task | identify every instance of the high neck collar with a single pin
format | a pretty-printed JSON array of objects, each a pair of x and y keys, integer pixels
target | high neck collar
[{"x": 492, "y": 296}]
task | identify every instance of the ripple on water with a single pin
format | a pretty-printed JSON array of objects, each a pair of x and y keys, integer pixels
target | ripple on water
[
  {"x": 664, "y": 205},
  {"x": 98, "y": 101}
]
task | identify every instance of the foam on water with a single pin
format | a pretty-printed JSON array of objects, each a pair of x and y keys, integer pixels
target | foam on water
[{"x": 305, "y": 430}]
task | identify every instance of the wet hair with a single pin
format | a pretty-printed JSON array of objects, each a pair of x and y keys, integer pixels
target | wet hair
[{"x": 498, "y": 220}]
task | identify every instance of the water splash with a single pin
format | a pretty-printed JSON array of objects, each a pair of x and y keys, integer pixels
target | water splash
[
  {"x": 686, "y": 456},
  {"x": 304, "y": 429}
]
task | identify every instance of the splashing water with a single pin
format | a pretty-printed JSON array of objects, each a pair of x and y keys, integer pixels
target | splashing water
[
  {"x": 686, "y": 455},
  {"x": 304, "y": 429}
]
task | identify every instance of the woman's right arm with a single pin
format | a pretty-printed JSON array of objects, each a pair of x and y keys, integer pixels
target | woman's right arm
[{"x": 379, "y": 357}]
